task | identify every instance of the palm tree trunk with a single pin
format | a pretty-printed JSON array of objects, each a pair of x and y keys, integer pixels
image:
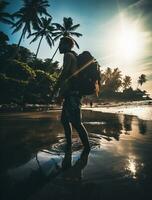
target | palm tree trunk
[
  {"x": 19, "y": 42},
  {"x": 20, "y": 39},
  {"x": 54, "y": 53},
  {"x": 38, "y": 48}
]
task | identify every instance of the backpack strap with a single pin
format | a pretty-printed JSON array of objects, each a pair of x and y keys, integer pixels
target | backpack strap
[{"x": 80, "y": 69}]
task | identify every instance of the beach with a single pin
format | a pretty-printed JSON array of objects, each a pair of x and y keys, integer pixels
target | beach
[
  {"x": 35, "y": 166},
  {"x": 140, "y": 109},
  {"x": 63, "y": 55}
]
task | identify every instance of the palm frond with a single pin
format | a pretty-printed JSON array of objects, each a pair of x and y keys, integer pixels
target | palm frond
[
  {"x": 17, "y": 28},
  {"x": 59, "y": 26},
  {"x": 17, "y": 23},
  {"x": 51, "y": 29},
  {"x": 34, "y": 39},
  {"x": 32, "y": 34},
  {"x": 28, "y": 27},
  {"x": 42, "y": 11},
  {"x": 76, "y": 43},
  {"x": 29, "y": 16},
  {"x": 57, "y": 37},
  {"x": 24, "y": 31},
  {"x": 35, "y": 25},
  {"x": 46, "y": 13},
  {"x": 56, "y": 33},
  {"x": 39, "y": 21},
  {"x": 17, "y": 14},
  {"x": 67, "y": 23},
  {"x": 6, "y": 21},
  {"x": 49, "y": 41},
  {"x": 73, "y": 28},
  {"x": 48, "y": 20},
  {"x": 75, "y": 34}
]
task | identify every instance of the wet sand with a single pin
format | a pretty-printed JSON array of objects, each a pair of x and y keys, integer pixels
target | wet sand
[
  {"x": 141, "y": 109},
  {"x": 119, "y": 165}
]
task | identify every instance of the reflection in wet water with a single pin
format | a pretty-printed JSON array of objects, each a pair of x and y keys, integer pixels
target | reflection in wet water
[
  {"x": 121, "y": 147},
  {"x": 74, "y": 172},
  {"x": 132, "y": 166},
  {"x": 127, "y": 123},
  {"x": 142, "y": 127},
  {"x": 108, "y": 126}
]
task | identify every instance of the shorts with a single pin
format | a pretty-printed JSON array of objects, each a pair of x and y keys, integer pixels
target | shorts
[{"x": 71, "y": 111}]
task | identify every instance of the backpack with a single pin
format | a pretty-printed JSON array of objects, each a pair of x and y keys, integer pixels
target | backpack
[{"x": 87, "y": 77}]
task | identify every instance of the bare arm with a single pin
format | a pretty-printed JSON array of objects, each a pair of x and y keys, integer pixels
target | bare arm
[
  {"x": 64, "y": 74},
  {"x": 66, "y": 67}
]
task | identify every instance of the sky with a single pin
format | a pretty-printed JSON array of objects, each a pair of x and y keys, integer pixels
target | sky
[{"x": 118, "y": 33}]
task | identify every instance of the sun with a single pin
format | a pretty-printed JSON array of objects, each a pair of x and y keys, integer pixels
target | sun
[
  {"x": 125, "y": 40},
  {"x": 128, "y": 42}
]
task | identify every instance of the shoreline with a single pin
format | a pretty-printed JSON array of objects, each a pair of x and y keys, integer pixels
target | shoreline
[
  {"x": 141, "y": 109},
  {"x": 13, "y": 106}
]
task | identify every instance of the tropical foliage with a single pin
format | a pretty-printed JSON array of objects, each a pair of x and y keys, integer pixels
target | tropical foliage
[
  {"x": 17, "y": 70},
  {"x": 3, "y": 39},
  {"x": 67, "y": 29},
  {"x": 142, "y": 79},
  {"x": 28, "y": 16},
  {"x": 126, "y": 82},
  {"x": 45, "y": 30},
  {"x": 4, "y": 16},
  {"x": 30, "y": 82},
  {"x": 111, "y": 80},
  {"x": 24, "y": 78},
  {"x": 113, "y": 83},
  {"x": 39, "y": 89}
]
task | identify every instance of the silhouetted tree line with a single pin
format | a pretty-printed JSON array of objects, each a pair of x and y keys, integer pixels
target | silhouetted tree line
[
  {"x": 24, "y": 78},
  {"x": 115, "y": 86}
]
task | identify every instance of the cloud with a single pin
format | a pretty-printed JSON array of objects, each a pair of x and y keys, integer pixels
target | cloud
[
  {"x": 144, "y": 4},
  {"x": 141, "y": 10}
]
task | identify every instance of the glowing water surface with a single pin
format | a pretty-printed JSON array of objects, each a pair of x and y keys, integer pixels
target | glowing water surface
[{"x": 35, "y": 166}]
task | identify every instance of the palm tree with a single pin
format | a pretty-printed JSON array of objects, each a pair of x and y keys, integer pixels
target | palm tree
[
  {"x": 116, "y": 73},
  {"x": 112, "y": 79},
  {"x": 126, "y": 82},
  {"x": 46, "y": 30},
  {"x": 107, "y": 75},
  {"x": 4, "y": 16},
  {"x": 142, "y": 79},
  {"x": 28, "y": 16},
  {"x": 66, "y": 29},
  {"x": 116, "y": 80}
]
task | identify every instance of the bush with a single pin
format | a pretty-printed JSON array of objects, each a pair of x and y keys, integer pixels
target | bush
[
  {"x": 40, "y": 88},
  {"x": 18, "y": 70},
  {"x": 11, "y": 90}
]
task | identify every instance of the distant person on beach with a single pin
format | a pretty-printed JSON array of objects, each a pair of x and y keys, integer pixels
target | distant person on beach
[
  {"x": 91, "y": 104},
  {"x": 71, "y": 111}
]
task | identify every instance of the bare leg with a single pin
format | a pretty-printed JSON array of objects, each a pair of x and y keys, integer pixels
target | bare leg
[
  {"x": 82, "y": 134},
  {"x": 67, "y": 128}
]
